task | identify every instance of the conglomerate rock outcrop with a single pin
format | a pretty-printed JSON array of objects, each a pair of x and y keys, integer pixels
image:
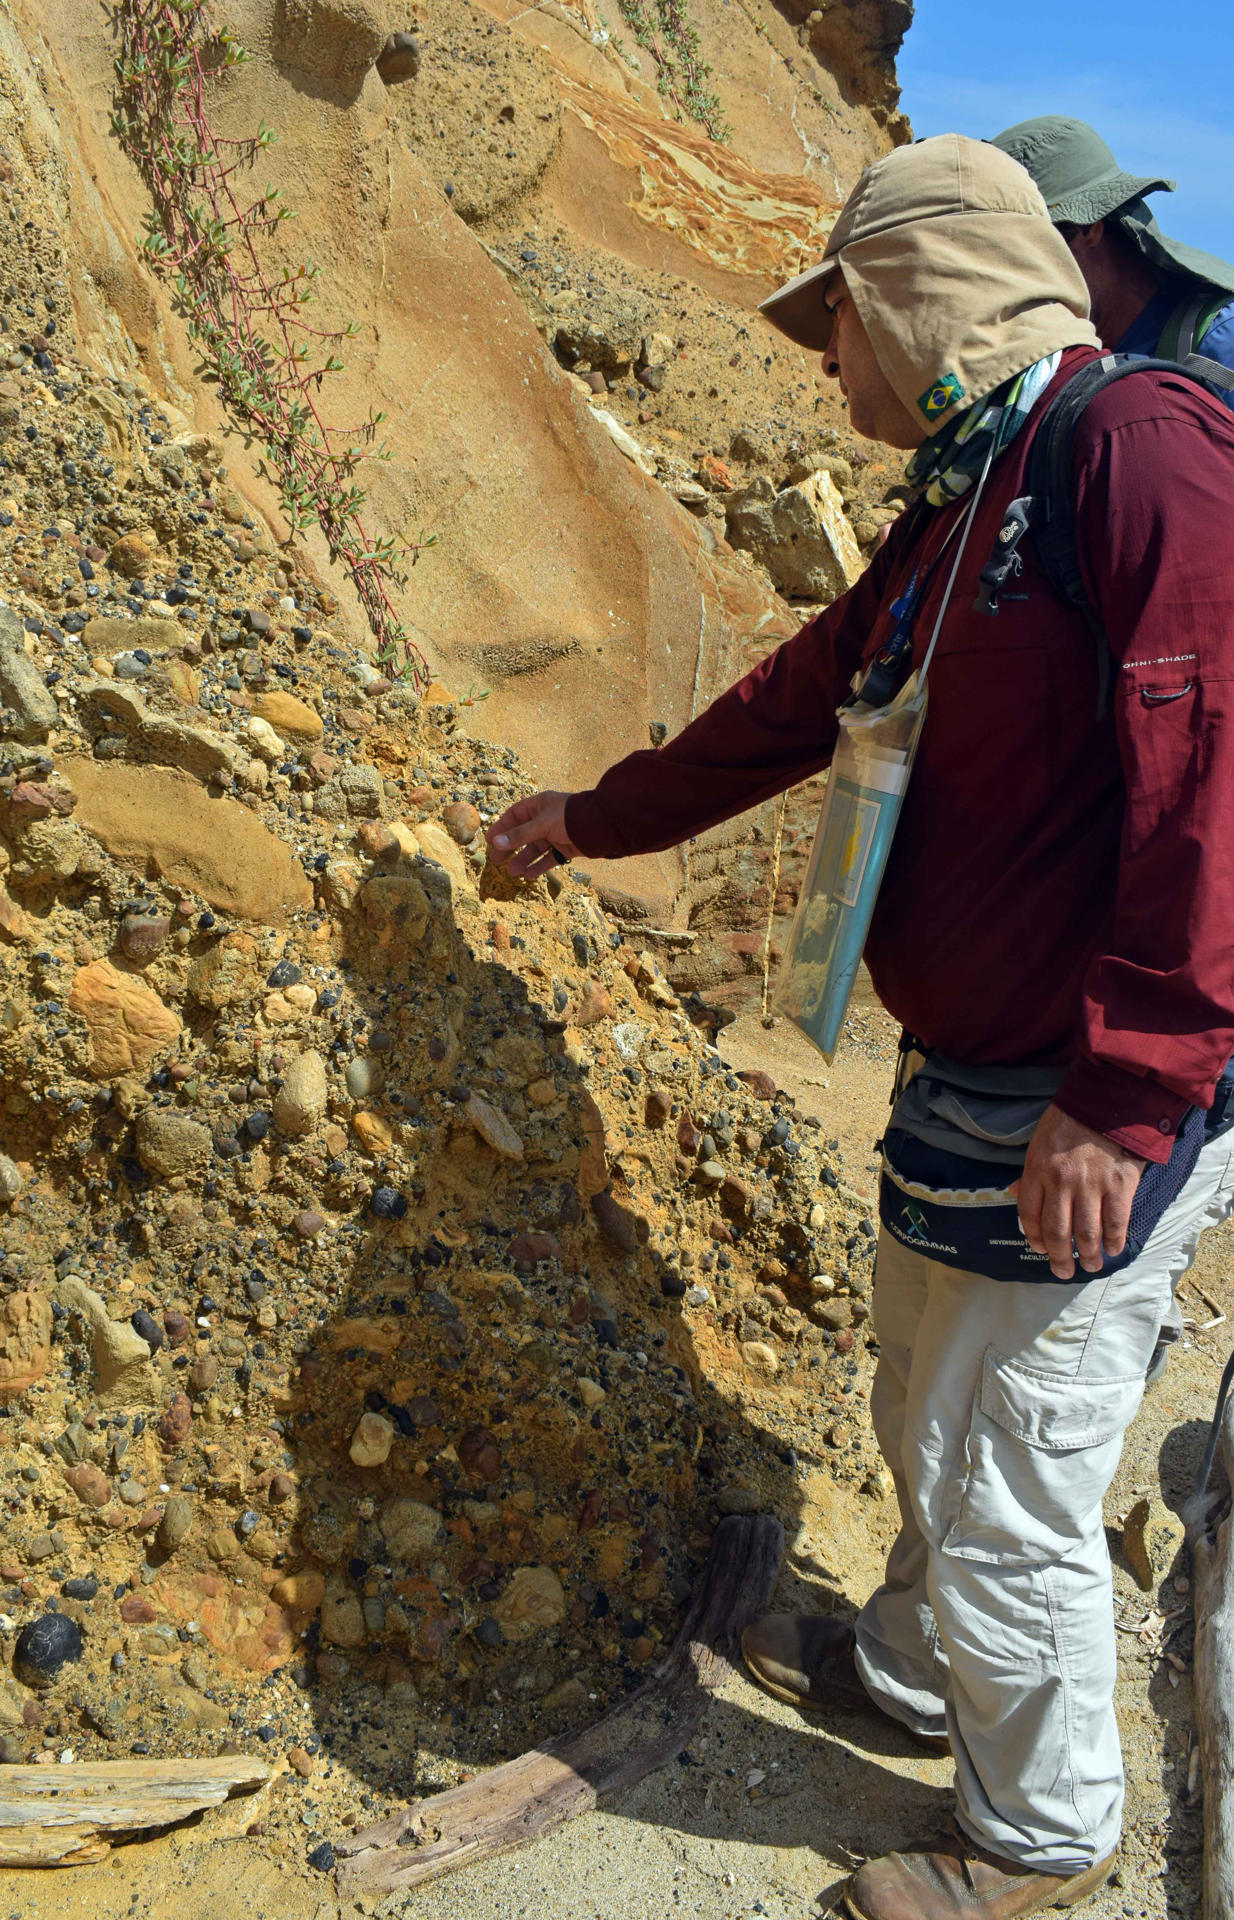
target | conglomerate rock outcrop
[{"x": 395, "y": 1282}]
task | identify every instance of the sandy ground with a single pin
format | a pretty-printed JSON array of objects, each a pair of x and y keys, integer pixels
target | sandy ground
[{"x": 767, "y": 1812}]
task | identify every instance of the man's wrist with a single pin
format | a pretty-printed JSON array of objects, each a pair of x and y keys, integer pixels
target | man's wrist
[{"x": 587, "y": 827}]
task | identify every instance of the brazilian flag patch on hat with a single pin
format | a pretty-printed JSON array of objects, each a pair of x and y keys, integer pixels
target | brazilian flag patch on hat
[{"x": 943, "y": 394}]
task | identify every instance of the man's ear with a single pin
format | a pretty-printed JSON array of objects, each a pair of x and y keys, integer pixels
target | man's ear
[{"x": 1087, "y": 239}]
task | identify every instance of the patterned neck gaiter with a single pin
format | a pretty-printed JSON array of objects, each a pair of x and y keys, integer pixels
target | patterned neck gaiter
[{"x": 945, "y": 467}]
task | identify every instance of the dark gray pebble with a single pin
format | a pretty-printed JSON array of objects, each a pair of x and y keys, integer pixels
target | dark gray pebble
[
  {"x": 148, "y": 1327},
  {"x": 47, "y": 1644}
]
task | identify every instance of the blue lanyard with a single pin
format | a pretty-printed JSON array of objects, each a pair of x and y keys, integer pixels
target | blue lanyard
[
  {"x": 888, "y": 670},
  {"x": 884, "y": 674}
]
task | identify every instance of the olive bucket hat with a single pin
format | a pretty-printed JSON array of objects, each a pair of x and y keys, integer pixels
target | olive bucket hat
[
  {"x": 1079, "y": 178},
  {"x": 1081, "y": 181}
]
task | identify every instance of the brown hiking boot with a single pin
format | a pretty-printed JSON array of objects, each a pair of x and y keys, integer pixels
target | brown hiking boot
[
  {"x": 955, "y": 1879},
  {"x": 808, "y": 1660}
]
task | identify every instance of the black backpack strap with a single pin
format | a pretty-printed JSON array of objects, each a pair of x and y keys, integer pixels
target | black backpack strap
[{"x": 1050, "y": 484}]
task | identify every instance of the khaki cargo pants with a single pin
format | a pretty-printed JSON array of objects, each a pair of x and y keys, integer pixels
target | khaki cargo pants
[{"x": 1000, "y": 1408}]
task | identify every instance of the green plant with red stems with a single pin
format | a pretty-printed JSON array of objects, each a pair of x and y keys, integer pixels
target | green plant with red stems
[
  {"x": 663, "y": 28},
  {"x": 246, "y": 317}
]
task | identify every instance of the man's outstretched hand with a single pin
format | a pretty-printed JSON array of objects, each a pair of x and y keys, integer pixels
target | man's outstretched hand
[
  {"x": 522, "y": 841},
  {"x": 1076, "y": 1186}
]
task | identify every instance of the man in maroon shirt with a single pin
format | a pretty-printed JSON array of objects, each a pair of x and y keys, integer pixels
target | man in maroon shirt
[{"x": 1059, "y": 895}]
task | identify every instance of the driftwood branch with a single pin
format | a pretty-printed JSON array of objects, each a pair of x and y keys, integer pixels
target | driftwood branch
[
  {"x": 69, "y": 1816},
  {"x": 543, "y": 1789},
  {"x": 1210, "y": 1534}
]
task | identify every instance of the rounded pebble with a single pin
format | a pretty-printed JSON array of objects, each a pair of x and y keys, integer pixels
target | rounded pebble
[
  {"x": 462, "y": 822},
  {"x": 45, "y": 1646},
  {"x": 148, "y": 1327},
  {"x": 387, "y": 1204},
  {"x": 364, "y": 1077},
  {"x": 177, "y": 1328},
  {"x": 176, "y": 1523},
  {"x": 143, "y": 935}
]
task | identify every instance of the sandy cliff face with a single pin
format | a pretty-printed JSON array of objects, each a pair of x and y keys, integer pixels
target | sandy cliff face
[
  {"x": 395, "y": 1284},
  {"x": 525, "y": 188}
]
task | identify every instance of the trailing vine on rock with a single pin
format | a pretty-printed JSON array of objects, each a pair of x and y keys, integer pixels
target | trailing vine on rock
[
  {"x": 663, "y": 28},
  {"x": 246, "y": 316}
]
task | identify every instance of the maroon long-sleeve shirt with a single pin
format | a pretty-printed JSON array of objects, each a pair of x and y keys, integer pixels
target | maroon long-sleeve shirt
[{"x": 1061, "y": 886}]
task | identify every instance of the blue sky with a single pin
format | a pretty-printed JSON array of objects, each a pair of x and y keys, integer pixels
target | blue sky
[{"x": 1140, "y": 73}]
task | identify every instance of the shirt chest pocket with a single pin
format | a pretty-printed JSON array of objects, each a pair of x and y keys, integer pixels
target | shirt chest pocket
[{"x": 989, "y": 727}]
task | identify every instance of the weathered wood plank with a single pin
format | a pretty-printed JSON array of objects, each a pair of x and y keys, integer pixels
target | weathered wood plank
[
  {"x": 541, "y": 1790},
  {"x": 68, "y": 1816},
  {"x": 1210, "y": 1533}
]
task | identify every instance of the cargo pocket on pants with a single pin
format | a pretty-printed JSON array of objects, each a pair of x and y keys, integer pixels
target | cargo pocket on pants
[{"x": 1041, "y": 1451}]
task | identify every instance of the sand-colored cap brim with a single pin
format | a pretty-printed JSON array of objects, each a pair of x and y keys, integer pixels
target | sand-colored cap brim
[{"x": 797, "y": 309}]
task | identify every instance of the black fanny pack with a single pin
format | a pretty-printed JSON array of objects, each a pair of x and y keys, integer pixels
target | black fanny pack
[{"x": 957, "y": 1140}]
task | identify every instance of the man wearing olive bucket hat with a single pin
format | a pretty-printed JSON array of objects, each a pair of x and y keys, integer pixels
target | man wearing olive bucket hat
[
  {"x": 1149, "y": 294},
  {"x": 1053, "y": 930}
]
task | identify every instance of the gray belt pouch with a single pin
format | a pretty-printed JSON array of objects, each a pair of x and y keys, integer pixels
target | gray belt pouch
[{"x": 956, "y": 1142}]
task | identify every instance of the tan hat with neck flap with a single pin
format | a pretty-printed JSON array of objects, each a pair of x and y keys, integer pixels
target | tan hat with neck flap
[{"x": 956, "y": 271}]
